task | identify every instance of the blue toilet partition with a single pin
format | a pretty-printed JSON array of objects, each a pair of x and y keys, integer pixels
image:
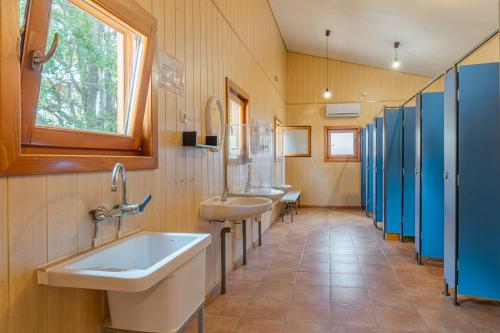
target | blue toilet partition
[
  {"x": 409, "y": 171},
  {"x": 450, "y": 177},
  {"x": 379, "y": 169},
  {"x": 371, "y": 170},
  {"x": 431, "y": 231},
  {"x": 364, "y": 166},
  {"x": 393, "y": 170},
  {"x": 479, "y": 181}
]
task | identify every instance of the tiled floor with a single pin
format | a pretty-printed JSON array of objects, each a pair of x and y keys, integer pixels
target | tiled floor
[{"x": 330, "y": 271}]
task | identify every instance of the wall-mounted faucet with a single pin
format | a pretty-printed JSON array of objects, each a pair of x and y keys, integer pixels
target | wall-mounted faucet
[{"x": 101, "y": 213}]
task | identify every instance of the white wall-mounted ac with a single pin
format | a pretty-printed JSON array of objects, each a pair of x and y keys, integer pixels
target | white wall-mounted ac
[{"x": 343, "y": 110}]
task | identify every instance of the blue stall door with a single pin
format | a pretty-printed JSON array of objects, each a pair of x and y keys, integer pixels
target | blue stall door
[
  {"x": 393, "y": 170},
  {"x": 379, "y": 169},
  {"x": 371, "y": 169},
  {"x": 409, "y": 171},
  {"x": 364, "y": 166},
  {"x": 432, "y": 191},
  {"x": 479, "y": 182}
]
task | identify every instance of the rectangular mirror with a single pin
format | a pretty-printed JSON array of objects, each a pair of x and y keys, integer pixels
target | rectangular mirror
[{"x": 297, "y": 141}]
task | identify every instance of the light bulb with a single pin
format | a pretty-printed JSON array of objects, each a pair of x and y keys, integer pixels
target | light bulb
[
  {"x": 327, "y": 94},
  {"x": 396, "y": 64}
]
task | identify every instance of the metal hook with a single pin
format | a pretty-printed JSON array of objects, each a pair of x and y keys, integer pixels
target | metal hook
[{"x": 38, "y": 59}]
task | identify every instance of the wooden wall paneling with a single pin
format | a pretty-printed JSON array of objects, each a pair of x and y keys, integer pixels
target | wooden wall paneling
[
  {"x": 90, "y": 303},
  {"x": 62, "y": 233},
  {"x": 4, "y": 257},
  {"x": 171, "y": 122},
  {"x": 180, "y": 153},
  {"x": 28, "y": 302},
  {"x": 47, "y": 216},
  {"x": 486, "y": 54}
]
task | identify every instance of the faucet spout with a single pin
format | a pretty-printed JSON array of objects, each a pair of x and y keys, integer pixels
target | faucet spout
[{"x": 119, "y": 169}]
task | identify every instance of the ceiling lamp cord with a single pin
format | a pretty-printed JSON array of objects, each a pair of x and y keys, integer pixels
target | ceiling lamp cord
[
  {"x": 327, "y": 94},
  {"x": 396, "y": 64}
]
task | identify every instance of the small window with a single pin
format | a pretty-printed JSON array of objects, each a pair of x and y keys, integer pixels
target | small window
[
  {"x": 237, "y": 119},
  {"x": 342, "y": 144},
  {"x": 86, "y": 86}
]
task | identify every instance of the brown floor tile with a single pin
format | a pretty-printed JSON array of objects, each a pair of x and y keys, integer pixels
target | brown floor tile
[
  {"x": 348, "y": 280},
  {"x": 400, "y": 318},
  {"x": 275, "y": 290},
  {"x": 247, "y": 325},
  {"x": 316, "y": 267},
  {"x": 247, "y": 274},
  {"x": 339, "y": 268},
  {"x": 320, "y": 279},
  {"x": 355, "y": 296},
  {"x": 292, "y": 327},
  {"x": 353, "y": 315},
  {"x": 316, "y": 313},
  {"x": 281, "y": 275},
  {"x": 311, "y": 294},
  {"x": 214, "y": 325},
  {"x": 226, "y": 306},
  {"x": 263, "y": 308},
  {"x": 347, "y": 329},
  {"x": 241, "y": 288}
]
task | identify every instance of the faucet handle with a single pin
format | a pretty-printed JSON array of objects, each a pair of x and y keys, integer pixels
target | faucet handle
[{"x": 145, "y": 203}]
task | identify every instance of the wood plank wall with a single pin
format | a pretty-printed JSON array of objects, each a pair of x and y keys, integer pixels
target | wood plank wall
[
  {"x": 44, "y": 218},
  {"x": 337, "y": 183}
]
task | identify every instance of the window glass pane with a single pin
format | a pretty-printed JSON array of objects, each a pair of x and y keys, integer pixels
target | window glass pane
[
  {"x": 90, "y": 82},
  {"x": 342, "y": 143},
  {"x": 235, "y": 130}
]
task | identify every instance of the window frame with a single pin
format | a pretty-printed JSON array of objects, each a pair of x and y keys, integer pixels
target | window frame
[
  {"x": 241, "y": 97},
  {"x": 308, "y": 128},
  {"x": 356, "y": 157},
  {"x": 278, "y": 139},
  {"x": 26, "y": 149}
]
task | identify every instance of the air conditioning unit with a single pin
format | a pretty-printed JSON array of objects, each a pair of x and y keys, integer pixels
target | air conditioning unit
[{"x": 343, "y": 110}]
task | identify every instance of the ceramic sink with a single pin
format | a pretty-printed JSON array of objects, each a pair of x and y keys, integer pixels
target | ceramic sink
[
  {"x": 273, "y": 194},
  {"x": 235, "y": 208},
  {"x": 154, "y": 281}
]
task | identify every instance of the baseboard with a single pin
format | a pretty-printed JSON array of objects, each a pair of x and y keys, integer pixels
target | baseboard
[{"x": 330, "y": 206}]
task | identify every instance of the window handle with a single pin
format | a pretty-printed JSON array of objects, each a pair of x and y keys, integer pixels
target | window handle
[{"x": 38, "y": 59}]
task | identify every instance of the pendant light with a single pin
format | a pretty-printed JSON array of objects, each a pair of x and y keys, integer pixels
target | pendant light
[
  {"x": 327, "y": 93},
  {"x": 396, "y": 64}
]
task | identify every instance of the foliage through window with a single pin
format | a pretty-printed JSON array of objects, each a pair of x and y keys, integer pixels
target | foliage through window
[
  {"x": 341, "y": 144},
  {"x": 86, "y": 85}
]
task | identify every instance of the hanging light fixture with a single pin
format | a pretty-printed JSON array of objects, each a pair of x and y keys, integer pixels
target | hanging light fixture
[
  {"x": 396, "y": 64},
  {"x": 327, "y": 93}
]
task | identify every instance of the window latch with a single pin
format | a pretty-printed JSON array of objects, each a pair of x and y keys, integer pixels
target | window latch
[{"x": 38, "y": 59}]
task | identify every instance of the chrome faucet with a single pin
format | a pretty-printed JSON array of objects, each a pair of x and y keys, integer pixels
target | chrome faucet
[
  {"x": 101, "y": 213},
  {"x": 225, "y": 193}
]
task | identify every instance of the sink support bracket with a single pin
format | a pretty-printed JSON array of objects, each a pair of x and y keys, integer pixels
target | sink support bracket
[
  {"x": 223, "y": 233},
  {"x": 244, "y": 225}
]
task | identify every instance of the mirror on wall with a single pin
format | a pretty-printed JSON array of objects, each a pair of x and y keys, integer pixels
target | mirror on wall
[
  {"x": 297, "y": 141},
  {"x": 214, "y": 124}
]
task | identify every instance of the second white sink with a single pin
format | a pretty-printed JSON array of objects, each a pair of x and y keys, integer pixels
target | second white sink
[
  {"x": 273, "y": 194},
  {"x": 234, "y": 208}
]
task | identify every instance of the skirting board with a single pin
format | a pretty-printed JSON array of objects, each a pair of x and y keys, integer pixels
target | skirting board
[{"x": 331, "y": 207}]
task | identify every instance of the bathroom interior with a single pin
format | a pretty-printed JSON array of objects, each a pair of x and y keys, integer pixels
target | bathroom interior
[{"x": 259, "y": 166}]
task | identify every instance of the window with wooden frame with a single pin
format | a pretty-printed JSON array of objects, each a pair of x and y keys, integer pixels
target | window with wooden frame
[
  {"x": 342, "y": 144},
  {"x": 237, "y": 120},
  {"x": 87, "y": 98}
]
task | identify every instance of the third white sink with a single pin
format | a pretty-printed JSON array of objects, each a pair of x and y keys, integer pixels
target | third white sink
[{"x": 234, "y": 208}]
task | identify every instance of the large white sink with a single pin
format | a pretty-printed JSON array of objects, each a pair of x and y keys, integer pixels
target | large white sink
[
  {"x": 154, "y": 281},
  {"x": 234, "y": 208},
  {"x": 273, "y": 194}
]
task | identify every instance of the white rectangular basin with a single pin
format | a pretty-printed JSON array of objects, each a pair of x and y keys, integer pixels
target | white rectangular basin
[{"x": 154, "y": 281}]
